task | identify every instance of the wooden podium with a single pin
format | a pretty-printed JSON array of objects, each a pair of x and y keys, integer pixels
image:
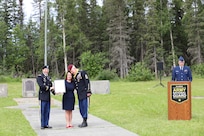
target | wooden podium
[{"x": 179, "y": 100}]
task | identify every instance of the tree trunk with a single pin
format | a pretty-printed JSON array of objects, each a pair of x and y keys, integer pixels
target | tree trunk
[
  {"x": 172, "y": 47},
  {"x": 155, "y": 62},
  {"x": 142, "y": 51},
  {"x": 64, "y": 44}
]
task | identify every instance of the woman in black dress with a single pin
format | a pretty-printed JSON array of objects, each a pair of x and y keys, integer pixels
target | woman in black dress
[{"x": 68, "y": 99}]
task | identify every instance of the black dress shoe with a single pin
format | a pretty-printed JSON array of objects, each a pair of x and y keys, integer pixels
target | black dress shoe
[
  {"x": 83, "y": 124},
  {"x": 42, "y": 127},
  {"x": 48, "y": 127}
]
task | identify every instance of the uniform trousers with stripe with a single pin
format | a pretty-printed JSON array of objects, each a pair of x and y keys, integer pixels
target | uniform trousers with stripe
[
  {"x": 83, "y": 107},
  {"x": 45, "y": 113}
]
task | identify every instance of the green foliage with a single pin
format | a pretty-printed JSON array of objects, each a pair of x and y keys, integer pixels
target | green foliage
[
  {"x": 4, "y": 79},
  {"x": 107, "y": 75},
  {"x": 93, "y": 63},
  {"x": 139, "y": 72},
  {"x": 198, "y": 69},
  {"x": 125, "y": 29},
  {"x": 193, "y": 22}
]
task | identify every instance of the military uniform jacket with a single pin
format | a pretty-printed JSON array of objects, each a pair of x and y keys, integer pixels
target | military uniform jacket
[
  {"x": 44, "y": 83},
  {"x": 82, "y": 84},
  {"x": 181, "y": 75}
]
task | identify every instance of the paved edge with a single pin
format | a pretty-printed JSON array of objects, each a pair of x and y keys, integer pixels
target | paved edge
[{"x": 96, "y": 126}]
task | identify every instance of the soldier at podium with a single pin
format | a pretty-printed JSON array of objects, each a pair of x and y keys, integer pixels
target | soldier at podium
[{"x": 181, "y": 72}]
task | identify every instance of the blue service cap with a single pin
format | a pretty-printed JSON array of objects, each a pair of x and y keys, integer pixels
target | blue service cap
[
  {"x": 181, "y": 58},
  {"x": 45, "y": 67}
]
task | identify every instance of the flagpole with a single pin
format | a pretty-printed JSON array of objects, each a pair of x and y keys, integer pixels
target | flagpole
[{"x": 45, "y": 54}]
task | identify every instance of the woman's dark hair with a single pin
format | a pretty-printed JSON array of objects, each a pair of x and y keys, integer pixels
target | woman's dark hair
[{"x": 71, "y": 74}]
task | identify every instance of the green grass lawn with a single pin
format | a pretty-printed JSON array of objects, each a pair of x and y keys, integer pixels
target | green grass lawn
[
  {"x": 137, "y": 106},
  {"x": 13, "y": 123},
  {"x": 143, "y": 109}
]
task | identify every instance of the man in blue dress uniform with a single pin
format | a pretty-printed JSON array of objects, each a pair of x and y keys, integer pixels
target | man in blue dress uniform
[
  {"x": 45, "y": 87},
  {"x": 181, "y": 72},
  {"x": 83, "y": 91}
]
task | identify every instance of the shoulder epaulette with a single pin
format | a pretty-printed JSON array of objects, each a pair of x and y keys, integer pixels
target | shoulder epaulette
[{"x": 40, "y": 75}]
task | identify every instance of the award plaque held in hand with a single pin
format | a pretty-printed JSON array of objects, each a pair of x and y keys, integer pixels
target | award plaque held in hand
[{"x": 59, "y": 86}]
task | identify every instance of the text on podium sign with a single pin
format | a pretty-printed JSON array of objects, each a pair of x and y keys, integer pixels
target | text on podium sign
[{"x": 179, "y": 93}]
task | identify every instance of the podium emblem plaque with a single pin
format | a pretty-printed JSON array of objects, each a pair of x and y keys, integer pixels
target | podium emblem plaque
[{"x": 179, "y": 93}]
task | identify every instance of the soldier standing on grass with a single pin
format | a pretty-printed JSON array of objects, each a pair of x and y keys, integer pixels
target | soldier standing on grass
[
  {"x": 83, "y": 91},
  {"x": 45, "y": 87}
]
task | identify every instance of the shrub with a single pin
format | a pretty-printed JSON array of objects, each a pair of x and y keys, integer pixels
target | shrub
[
  {"x": 139, "y": 72},
  {"x": 107, "y": 75},
  {"x": 198, "y": 69},
  {"x": 4, "y": 79},
  {"x": 93, "y": 63}
]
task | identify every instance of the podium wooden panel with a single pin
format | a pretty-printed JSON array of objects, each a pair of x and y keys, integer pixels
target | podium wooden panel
[{"x": 179, "y": 100}]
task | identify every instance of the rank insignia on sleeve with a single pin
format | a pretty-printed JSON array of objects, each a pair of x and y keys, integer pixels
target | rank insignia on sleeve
[{"x": 79, "y": 77}]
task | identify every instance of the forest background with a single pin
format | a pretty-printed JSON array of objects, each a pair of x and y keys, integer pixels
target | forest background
[{"x": 118, "y": 39}]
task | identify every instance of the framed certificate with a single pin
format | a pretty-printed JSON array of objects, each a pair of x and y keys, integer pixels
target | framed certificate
[{"x": 59, "y": 86}]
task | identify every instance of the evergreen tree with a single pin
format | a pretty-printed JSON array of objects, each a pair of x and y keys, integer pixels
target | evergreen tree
[
  {"x": 194, "y": 22},
  {"x": 119, "y": 36},
  {"x": 18, "y": 52},
  {"x": 152, "y": 36},
  {"x": 137, "y": 24},
  {"x": 95, "y": 27},
  {"x": 9, "y": 20},
  {"x": 31, "y": 37}
]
